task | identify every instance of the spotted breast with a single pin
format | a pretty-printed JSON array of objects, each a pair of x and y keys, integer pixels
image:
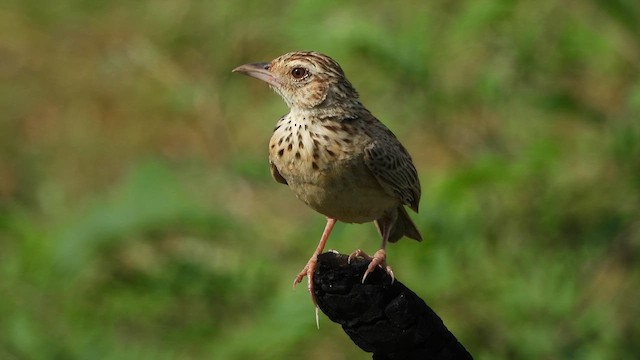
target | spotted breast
[{"x": 323, "y": 163}]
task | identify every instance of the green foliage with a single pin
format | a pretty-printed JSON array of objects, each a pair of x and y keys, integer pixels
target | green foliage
[{"x": 138, "y": 218}]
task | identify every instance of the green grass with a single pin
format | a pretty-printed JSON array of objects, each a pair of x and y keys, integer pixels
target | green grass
[{"x": 138, "y": 219}]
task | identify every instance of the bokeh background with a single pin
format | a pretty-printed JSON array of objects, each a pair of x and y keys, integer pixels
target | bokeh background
[{"x": 138, "y": 219}]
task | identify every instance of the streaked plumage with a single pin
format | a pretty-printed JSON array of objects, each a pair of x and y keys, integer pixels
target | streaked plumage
[{"x": 334, "y": 154}]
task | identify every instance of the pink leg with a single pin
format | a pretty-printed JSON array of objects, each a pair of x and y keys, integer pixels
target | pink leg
[
  {"x": 310, "y": 268},
  {"x": 378, "y": 259}
]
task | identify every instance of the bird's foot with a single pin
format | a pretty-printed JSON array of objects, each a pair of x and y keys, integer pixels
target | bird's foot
[
  {"x": 378, "y": 259},
  {"x": 308, "y": 271}
]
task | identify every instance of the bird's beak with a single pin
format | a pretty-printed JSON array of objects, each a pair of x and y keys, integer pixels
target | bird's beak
[{"x": 259, "y": 71}]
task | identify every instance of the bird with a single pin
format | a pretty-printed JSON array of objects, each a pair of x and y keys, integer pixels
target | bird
[{"x": 336, "y": 156}]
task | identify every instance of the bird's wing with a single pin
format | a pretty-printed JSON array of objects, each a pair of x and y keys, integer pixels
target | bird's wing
[
  {"x": 393, "y": 168},
  {"x": 276, "y": 174}
]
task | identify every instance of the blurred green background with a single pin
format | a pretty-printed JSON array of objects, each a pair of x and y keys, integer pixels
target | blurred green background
[{"x": 138, "y": 219}]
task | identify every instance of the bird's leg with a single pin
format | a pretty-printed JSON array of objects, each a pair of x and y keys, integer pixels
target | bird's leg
[
  {"x": 312, "y": 264},
  {"x": 310, "y": 268},
  {"x": 378, "y": 259}
]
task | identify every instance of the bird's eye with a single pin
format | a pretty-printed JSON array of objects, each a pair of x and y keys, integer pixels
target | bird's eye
[{"x": 299, "y": 72}]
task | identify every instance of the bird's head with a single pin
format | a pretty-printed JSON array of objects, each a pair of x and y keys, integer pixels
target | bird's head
[{"x": 305, "y": 80}]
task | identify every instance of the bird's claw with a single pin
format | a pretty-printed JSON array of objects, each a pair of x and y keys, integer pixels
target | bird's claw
[
  {"x": 308, "y": 271},
  {"x": 357, "y": 253},
  {"x": 378, "y": 259}
]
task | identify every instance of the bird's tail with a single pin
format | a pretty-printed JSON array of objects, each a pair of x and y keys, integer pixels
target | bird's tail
[{"x": 402, "y": 226}]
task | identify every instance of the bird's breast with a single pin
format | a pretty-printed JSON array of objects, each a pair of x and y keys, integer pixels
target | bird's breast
[{"x": 323, "y": 163}]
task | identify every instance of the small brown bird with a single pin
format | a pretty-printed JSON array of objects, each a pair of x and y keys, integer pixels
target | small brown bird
[{"x": 335, "y": 155}]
